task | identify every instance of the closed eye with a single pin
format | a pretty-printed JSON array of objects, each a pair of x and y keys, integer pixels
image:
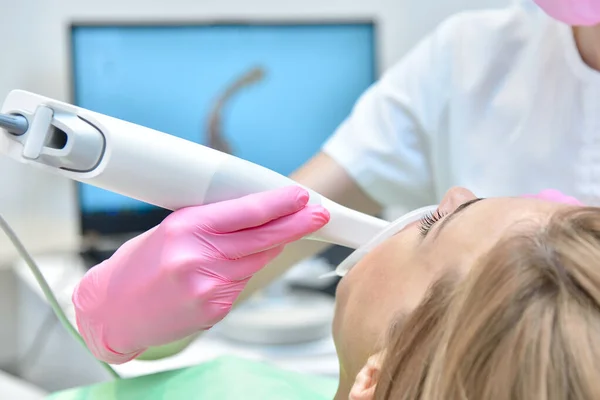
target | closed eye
[{"x": 428, "y": 221}]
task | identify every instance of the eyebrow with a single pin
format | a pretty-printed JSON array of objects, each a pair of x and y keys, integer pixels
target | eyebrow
[{"x": 456, "y": 212}]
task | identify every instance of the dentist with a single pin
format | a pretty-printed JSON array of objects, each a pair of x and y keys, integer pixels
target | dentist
[{"x": 504, "y": 102}]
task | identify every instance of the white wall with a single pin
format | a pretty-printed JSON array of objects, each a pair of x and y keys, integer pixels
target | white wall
[{"x": 34, "y": 57}]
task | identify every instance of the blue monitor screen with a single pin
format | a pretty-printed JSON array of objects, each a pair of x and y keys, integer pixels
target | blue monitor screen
[{"x": 279, "y": 91}]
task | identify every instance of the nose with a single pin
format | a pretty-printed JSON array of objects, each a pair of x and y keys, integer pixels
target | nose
[{"x": 454, "y": 198}]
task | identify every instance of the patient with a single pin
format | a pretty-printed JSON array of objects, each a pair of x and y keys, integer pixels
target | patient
[
  {"x": 491, "y": 299},
  {"x": 487, "y": 299}
]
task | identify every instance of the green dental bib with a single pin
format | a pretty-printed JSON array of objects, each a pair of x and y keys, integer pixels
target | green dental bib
[{"x": 225, "y": 378}]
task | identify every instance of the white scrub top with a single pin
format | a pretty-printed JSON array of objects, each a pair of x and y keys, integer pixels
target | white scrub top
[{"x": 497, "y": 101}]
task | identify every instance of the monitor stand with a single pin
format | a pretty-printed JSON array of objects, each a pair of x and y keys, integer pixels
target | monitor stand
[{"x": 282, "y": 314}]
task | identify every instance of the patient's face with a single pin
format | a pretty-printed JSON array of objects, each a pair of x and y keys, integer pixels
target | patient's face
[{"x": 394, "y": 277}]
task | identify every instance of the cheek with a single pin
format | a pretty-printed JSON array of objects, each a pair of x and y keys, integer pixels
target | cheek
[
  {"x": 359, "y": 320},
  {"x": 368, "y": 298},
  {"x": 392, "y": 278}
]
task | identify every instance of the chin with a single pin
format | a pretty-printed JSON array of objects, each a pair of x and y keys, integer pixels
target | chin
[
  {"x": 341, "y": 299},
  {"x": 336, "y": 325}
]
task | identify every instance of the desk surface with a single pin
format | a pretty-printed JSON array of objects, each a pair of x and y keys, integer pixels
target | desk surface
[{"x": 63, "y": 272}]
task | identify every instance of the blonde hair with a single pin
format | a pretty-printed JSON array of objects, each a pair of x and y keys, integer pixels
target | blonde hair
[{"x": 524, "y": 324}]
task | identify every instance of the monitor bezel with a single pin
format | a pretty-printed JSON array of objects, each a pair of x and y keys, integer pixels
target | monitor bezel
[{"x": 103, "y": 224}]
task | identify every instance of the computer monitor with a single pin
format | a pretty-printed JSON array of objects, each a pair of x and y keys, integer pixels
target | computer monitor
[{"x": 267, "y": 92}]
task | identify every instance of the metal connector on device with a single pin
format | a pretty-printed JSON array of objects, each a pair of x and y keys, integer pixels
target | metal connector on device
[{"x": 14, "y": 124}]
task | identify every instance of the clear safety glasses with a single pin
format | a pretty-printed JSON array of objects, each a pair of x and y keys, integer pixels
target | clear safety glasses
[{"x": 392, "y": 229}]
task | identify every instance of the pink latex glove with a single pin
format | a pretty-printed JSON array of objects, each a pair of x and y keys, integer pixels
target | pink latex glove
[
  {"x": 555, "y": 196},
  {"x": 184, "y": 275}
]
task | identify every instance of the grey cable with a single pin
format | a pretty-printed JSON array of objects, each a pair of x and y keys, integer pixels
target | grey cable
[
  {"x": 15, "y": 124},
  {"x": 47, "y": 291}
]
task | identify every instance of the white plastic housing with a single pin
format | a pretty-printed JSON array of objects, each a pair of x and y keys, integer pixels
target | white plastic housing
[{"x": 155, "y": 167}]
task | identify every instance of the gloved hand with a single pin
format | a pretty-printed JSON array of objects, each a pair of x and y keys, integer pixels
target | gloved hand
[
  {"x": 555, "y": 196},
  {"x": 184, "y": 275}
]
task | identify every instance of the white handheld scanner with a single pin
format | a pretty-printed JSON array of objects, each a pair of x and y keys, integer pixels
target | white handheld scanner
[{"x": 148, "y": 165}]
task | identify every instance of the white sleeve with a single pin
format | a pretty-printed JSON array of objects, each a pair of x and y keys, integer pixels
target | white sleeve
[{"x": 384, "y": 143}]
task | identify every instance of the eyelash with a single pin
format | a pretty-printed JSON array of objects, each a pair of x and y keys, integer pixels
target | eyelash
[{"x": 428, "y": 221}]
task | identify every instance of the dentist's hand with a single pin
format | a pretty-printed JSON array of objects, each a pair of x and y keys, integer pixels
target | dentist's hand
[{"x": 184, "y": 275}]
